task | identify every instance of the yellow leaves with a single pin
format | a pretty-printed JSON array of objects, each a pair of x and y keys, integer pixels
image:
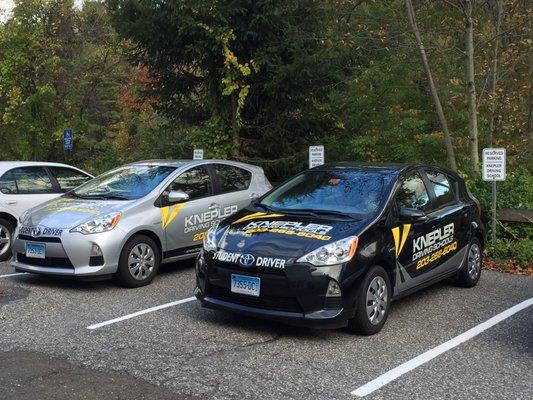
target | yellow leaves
[{"x": 456, "y": 81}]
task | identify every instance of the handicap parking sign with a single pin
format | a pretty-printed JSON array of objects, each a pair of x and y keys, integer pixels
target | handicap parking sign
[{"x": 68, "y": 139}]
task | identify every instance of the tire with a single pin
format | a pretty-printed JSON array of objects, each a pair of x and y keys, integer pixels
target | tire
[
  {"x": 469, "y": 274},
  {"x": 144, "y": 249},
  {"x": 366, "y": 323},
  {"x": 6, "y": 239}
]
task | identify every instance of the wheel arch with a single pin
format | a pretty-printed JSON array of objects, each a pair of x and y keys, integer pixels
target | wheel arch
[
  {"x": 388, "y": 266},
  {"x": 152, "y": 235},
  {"x": 10, "y": 218}
]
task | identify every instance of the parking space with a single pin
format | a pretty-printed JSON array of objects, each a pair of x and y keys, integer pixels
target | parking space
[{"x": 193, "y": 352}]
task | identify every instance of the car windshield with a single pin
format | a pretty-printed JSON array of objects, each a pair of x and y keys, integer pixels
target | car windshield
[
  {"x": 353, "y": 193},
  {"x": 125, "y": 183}
]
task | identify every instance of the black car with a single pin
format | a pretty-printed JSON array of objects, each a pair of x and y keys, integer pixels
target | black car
[{"x": 332, "y": 246}]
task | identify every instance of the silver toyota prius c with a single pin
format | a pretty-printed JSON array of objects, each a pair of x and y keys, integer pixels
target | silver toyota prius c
[{"x": 128, "y": 221}]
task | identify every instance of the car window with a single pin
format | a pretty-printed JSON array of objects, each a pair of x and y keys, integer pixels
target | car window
[
  {"x": 413, "y": 194},
  {"x": 232, "y": 178},
  {"x": 442, "y": 187},
  {"x": 8, "y": 184},
  {"x": 195, "y": 182},
  {"x": 69, "y": 178},
  {"x": 32, "y": 180}
]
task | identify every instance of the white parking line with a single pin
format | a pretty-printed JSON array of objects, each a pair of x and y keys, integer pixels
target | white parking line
[
  {"x": 142, "y": 312},
  {"x": 407, "y": 366},
  {"x": 14, "y": 274}
]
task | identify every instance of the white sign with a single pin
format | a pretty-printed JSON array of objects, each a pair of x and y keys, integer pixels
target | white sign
[
  {"x": 494, "y": 164},
  {"x": 198, "y": 154},
  {"x": 316, "y": 156}
]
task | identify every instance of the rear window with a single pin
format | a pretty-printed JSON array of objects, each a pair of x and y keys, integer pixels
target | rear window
[
  {"x": 345, "y": 191},
  {"x": 232, "y": 179},
  {"x": 69, "y": 178},
  {"x": 28, "y": 180},
  {"x": 7, "y": 183},
  {"x": 443, "y": 187}
]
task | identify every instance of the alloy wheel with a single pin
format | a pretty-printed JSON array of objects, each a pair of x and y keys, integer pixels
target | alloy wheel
[
  {"x": 5, "y": 240},
  {"x": 376, "y": 300},
  {"x": 474, "y": 261},
  {"x": 141, "y": 261}
]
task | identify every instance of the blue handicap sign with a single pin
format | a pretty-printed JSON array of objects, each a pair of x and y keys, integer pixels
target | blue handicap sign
[{"x": 68, "y": 139}]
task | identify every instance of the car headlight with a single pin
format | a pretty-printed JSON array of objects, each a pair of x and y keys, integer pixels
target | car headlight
[
  {"x": 99, "y": 225},
  {"x": 210, "y": 243},
  {"x": 332, "y": 253},
  {"x": 23, "y": 217}
]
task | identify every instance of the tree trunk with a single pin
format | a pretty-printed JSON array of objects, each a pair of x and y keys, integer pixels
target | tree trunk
[
  {"x": 494, "y": 72},
  {"x": 471, "y": 91},
  {"x": 235, "y": 151},
  {"x": 440, "y": 112}
]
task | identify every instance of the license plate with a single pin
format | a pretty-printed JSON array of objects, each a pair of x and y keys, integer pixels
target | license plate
[
  {"x": 245, "y": 285},
  {"x": 35, "y": 250}
]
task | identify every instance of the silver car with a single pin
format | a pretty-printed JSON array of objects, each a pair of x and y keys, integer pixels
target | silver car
[{"x": 128, "y": 221}]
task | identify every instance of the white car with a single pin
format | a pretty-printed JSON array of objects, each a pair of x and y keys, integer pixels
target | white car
[{"x": 24, "y": 185}]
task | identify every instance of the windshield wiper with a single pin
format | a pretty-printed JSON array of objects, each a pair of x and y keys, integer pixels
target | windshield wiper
[
  {"x": 317, "y": 213},
  {"x": 264, "y": 207}
]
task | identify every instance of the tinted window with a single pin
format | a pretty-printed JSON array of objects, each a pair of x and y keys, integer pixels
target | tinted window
[
  {"x": 346, "y": 191},
  {"x": 195, "y": 182},
  {"x": 32, "y": 180},
  {"x": 68, "y": 178},
  {"x": 440, "y": 183},
  {"x": 7, "y": 183},
  {"x": 413, "y": 194},
  {"x": 232, "y": 178},
  {"x": 125, "y": 183}
]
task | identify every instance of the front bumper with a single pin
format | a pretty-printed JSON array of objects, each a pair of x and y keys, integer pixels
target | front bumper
[
  {"x": 70, "y": 254},
  {"x": 295, "y": 295}
]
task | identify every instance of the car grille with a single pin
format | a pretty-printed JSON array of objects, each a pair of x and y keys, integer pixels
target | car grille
[
  {"x": 40, "y": 239},
  {"x": 332, "y": 303},
  {"x": 287, "y": 304},
  {"x": 249, "y": 270},
  {"x": 50, "y": 262}
]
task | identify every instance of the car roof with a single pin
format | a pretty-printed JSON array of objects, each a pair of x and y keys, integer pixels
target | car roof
[
  {"x": 7, "y": 165},
  {"x": 383, "y": 167},
  {"x": 182, "y": 163}
]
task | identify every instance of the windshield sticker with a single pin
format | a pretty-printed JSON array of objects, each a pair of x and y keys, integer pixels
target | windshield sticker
[
  {"x": 249, "y": 260},
  {"x": 299, "y": 229},
  {"x": 256, "y": 215},
  {"x": 169, "y": 213}
]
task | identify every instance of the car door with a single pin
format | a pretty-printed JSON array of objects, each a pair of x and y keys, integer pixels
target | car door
[
  {"x": 412, "y": 194},
  {"x": 30, "y": 186},
  {"x": 232, "y": 186},
  {"x": 450, "y": 223},
  {"x": 68, "y": 178},
  {"x": 185, "y": 221}
]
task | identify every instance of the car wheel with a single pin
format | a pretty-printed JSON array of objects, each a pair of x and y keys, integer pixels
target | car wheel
[
  {"x": 470, "y": 272},
  {"x": 139, "y": 262},
  {"x": 6, "y": 239},
  {"x": 372, "y": 302}
]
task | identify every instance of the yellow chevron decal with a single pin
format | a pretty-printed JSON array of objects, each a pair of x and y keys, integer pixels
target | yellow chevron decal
[
  {"x": 256, "y": 215},
  {"x": 169, "y": 213},
  {"x": 398, "y": 245}
]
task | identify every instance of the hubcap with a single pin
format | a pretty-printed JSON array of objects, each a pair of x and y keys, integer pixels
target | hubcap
[
  {"x": 141, "y": 261},
  {"x": 376, "y": 300},
  {"x": 474, "y": 261},
  {"x": 5, "y": 240}
]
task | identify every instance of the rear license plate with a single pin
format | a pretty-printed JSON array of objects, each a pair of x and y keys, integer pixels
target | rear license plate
[
  {"x": 35, "y": 250},
  {"x": 249, "y": 285}
]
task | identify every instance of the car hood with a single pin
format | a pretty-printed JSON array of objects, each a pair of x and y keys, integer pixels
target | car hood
[
  {"x": 283, "y": 235},
  {"x": 68, "y": 212}
]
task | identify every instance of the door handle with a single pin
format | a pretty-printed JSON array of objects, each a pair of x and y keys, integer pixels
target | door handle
[
  {"x": 11, "y": 202},
  {"x": 214, "y": 206}
]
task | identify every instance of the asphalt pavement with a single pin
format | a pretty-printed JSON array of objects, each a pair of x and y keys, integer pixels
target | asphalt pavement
[{"x": 182, "y": 351}]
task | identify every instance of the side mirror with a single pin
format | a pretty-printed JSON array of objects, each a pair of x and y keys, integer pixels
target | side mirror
[
  {"x": 412, "y": 214},
  {"x": 177, "y": 196}
]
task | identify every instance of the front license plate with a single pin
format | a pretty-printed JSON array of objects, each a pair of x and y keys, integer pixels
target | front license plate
[
  {"x": 35, "y": 250},
  {"x": 249, "y": 285}
]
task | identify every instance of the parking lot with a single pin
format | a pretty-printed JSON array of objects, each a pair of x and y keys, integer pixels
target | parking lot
[{"x": 94, "y": 339}]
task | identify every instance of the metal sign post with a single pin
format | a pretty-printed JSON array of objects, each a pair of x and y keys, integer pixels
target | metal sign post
[
  {"x": 316, "y": 156},
  {"x": 198, "y": 154},
  {"x": 494, "y": 170}
]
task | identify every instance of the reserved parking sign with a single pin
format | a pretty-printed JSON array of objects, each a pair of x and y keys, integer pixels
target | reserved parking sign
[{"x": 494, "y": 164}]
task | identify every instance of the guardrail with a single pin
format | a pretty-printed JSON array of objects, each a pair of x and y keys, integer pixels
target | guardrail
[{"x": 513, "y": 215}]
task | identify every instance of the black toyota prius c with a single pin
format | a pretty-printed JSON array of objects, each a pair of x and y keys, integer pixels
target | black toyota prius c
[{"x": 334, "y": 245}]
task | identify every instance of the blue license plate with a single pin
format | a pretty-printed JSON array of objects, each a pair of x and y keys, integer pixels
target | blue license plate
[
  {"x": 36, "y": 250},
  {"x": 249, "y": 285}
]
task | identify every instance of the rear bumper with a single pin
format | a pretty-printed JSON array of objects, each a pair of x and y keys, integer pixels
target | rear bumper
[{"x": 295, "y": 296}]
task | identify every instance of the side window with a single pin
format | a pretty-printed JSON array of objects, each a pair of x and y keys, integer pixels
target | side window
[
  {"x": 232, "y": 178},
  {"x": 8, "y": 184},
  {"x": 68, "y": 178},
  {"x": 442, "y": 186},
  {"x": 32, "y": 180},
  {"x": 195, "y": 182},
  {"x": 413, "y": 194}
]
